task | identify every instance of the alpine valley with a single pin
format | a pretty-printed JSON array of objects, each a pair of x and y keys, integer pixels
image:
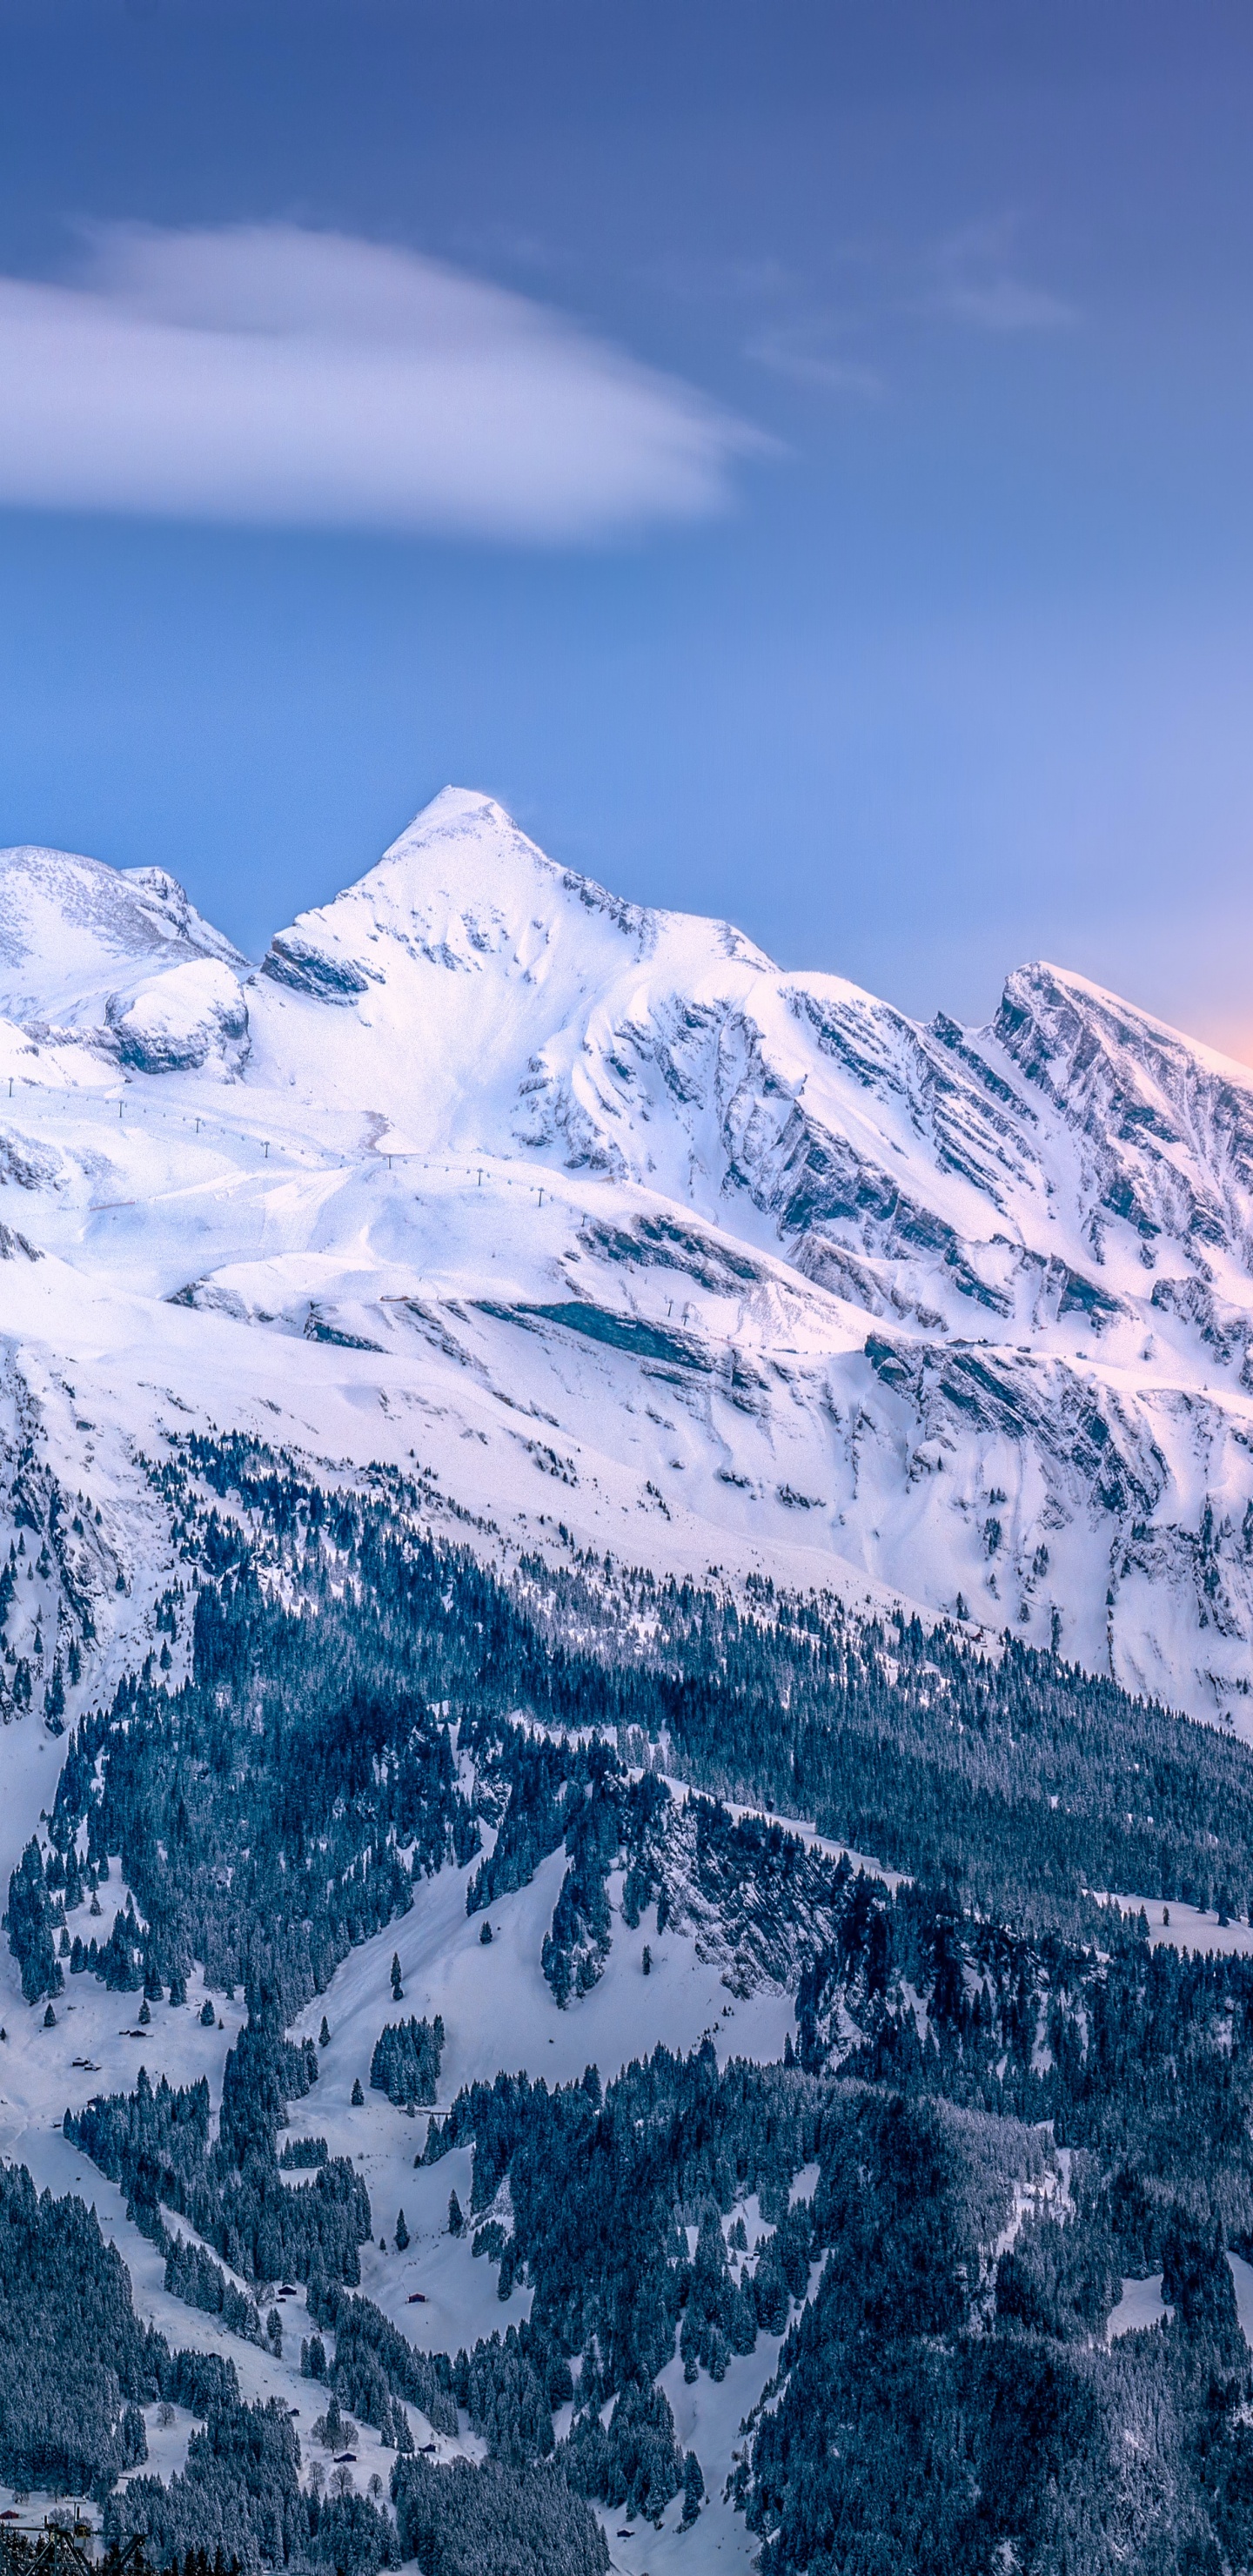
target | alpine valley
[{"x": 627, "y": 1599}]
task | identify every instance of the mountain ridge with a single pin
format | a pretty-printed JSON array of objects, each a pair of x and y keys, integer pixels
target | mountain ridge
[{"x": 484, "y": 1166}]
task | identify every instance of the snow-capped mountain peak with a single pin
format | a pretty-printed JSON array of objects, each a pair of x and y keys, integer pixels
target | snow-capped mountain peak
[
  {"x": 483, "y": 977},
  {"x": 116, "y": 957},
  {"x": 774, "y": 1274},
  {"x": 1170, "y": 1122},
  {"x": 462, "y": 887}
]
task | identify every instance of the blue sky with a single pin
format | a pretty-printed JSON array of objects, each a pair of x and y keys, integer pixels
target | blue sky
[{"x": 796, "y": 456}]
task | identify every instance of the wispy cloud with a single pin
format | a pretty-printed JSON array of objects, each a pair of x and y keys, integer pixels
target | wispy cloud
[
  {"x": 975, "y": 279},
  {"x": 272, "y": 375},
  {"x": 783, "y": 320},
  {"x": 845, "y": 325},
  {"x": 809, "y": 348}
]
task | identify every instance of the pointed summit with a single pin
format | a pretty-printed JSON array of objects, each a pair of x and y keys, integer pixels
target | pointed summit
[
  {"x": 460, "y": 886},
  {"x": 463, "y": 860}
]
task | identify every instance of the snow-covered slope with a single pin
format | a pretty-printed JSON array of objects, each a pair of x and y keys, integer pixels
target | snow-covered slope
[
  {"x": 120, "y": 958},
  {"x": 626, "y": 1232}
]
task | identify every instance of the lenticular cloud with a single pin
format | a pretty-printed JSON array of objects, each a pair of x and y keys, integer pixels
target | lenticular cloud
[{"x": 279, "y": 376}]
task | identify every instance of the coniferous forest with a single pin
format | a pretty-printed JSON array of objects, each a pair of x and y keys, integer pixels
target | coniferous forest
[{"x": 999, "y": 2101}]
